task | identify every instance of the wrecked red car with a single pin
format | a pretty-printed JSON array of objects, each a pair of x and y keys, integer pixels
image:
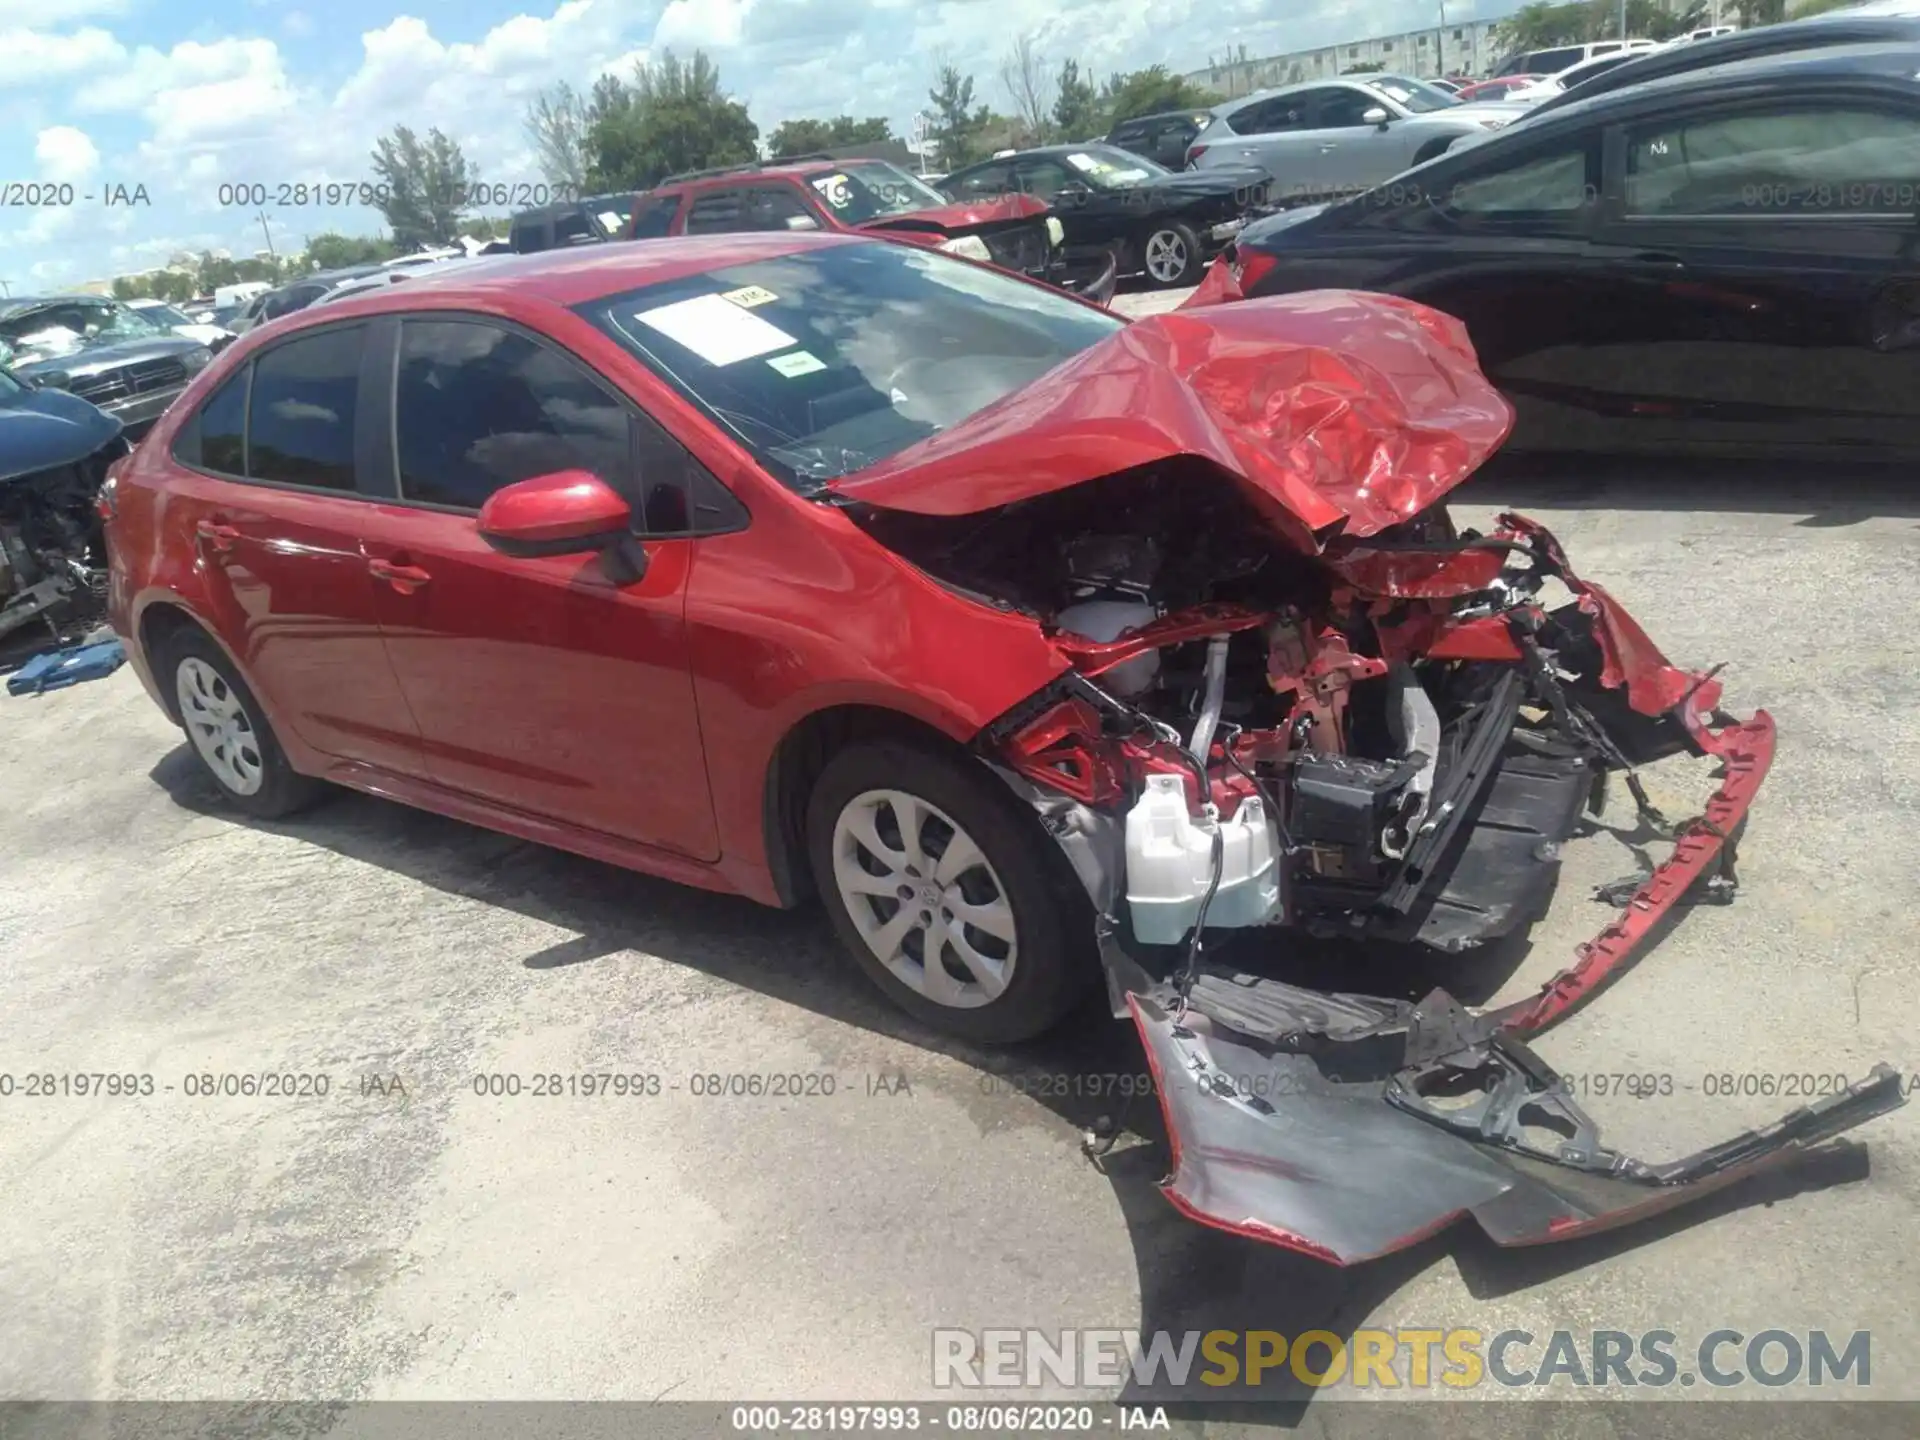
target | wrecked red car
[
  {"x": 1042, "y": 646},
  {"x": 818, "y": 192}
]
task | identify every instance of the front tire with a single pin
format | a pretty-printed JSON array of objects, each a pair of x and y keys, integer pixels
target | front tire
[
  {"x": 947, "y": 892},
  {"x": 228, "y": 731},
  {"x": 1170, "y": 255}
]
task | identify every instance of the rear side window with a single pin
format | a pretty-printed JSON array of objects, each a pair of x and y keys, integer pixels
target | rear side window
[
  {"x": 718, "y": 212},
  {"x": 301, "y": 412},
  {"x": 478, "y": 407},
  {"x": 1801, "y": 160},
  {"x": 654, "y": 218},
  {"x": 216, "y": 438},
  {"x": 1283, "y": 112},
  {"x": 529, "y": 236},
  {"x": 1552, "y": 62}
]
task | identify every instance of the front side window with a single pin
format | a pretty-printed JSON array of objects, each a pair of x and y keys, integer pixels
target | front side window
[
  {"x": 573, "y": 227},
  {"x": 776, "y": 207},
  {"x": 1798, "y": 160},
  {"x": 300, "y": 416},
  {"x": 827, "y": 361},
  {"x": 987, "y": 180},
  {"x": 863, "y": 190},
  {"x": 1344, "y": 109},
  {"x": 654, "y": 218},
  {"x": 1554, "y": 184},
  {"x": 477, "y": 407}
]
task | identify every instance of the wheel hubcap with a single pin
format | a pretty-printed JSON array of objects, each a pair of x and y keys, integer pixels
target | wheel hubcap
[
  {"x": 1166, "y": 255},
  {"x": 924, "y": 898},
  {"x": 219, "y": 727}
]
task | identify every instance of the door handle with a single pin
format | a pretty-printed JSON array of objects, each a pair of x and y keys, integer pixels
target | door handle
[
  {"x": 404, "y": 578},
  {"x": 218, "y": 537}
]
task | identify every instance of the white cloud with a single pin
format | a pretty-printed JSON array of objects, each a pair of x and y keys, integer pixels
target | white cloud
[
  {"x": 297, "y": 23},
  {"x": 35, "y": 56},
  {"x": 701, "y": 24},
  {"x": 65, "y": 154},
  {"x": 32, "y": 12}
]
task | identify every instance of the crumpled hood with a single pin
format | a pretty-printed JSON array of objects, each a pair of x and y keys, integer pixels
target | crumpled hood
[
  {"x": 962, "y": 216},
  {"x": 41, "y": 429},
  {"x": 1338, "y": 412}
]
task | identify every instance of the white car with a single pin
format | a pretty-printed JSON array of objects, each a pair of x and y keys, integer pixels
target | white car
[
  {"x": 1571, "y": 76},
  {"x": 161, "y": 313},
  {"x": 1341, "y": 136}
]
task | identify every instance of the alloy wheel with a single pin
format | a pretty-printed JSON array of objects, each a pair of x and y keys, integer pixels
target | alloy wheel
[
  {"x": 1166, "y": 256},
  {"x": 218, "y": 725},
  {"x": 924, "y": 898}
]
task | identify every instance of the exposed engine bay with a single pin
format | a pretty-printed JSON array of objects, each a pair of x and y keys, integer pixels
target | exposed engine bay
[
  {"x": 53, "y": 560},
  {"x": 1389, "y": 739}
]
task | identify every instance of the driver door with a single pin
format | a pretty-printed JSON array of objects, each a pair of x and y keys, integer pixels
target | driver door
[
  {"x": 1343, "y": 152},
  {"x": 545, "y": 685}
]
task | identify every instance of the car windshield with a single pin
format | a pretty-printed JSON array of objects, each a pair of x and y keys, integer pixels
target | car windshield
[
  {"x": 61, "y": 327},
  {"x": 826, "y": 361},
  {"x": 863, "y": 190},
  {"x": 1105, "y": 168},
  {"x": 165, "y": 314},
  {"x": 1415, "y": 95}
]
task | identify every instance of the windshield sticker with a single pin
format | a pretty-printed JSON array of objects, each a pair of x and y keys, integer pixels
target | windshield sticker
[
  {"x": 1084, "y": 163},
  {"x": 612, "y": 221},
  {"x": 748, "y": 296},
  {"x": 835, "y": 187},
  {"x": 716, "y": 330},
  {"x": 800, "y": 362}
]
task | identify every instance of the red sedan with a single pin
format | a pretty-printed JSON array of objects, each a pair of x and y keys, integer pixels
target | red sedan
[{"x": 1041, "y": 646}]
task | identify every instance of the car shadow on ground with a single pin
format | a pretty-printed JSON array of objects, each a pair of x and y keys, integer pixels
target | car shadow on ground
[
  {"x": 1826, "y": 496},
  {"x": 1191, "y": 1278}
]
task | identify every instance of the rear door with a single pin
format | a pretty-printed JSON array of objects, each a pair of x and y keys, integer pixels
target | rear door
[
  {"x": 1272, "y": 133},
  {"x": 277, "y": 462},
  {"x": 540, "y": 684},
  {"x": 1769, "y": 289}
]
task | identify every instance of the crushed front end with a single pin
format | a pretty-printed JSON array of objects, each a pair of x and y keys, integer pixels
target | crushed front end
[
  {"x": 1294, "y": 694},
  {"x": 1395, "y": 753}
]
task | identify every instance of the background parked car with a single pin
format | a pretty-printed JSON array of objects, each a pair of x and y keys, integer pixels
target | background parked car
[
  {"x": 1162, "y": 138},
  {"x": 1868, "y": 24},
  {"x": 1562, "y": 57},
  {"x": 207, "y": 333},
  {"x": 821, "y": 192},
  {"x": 54, "y": 452},
  {"x": 1548, "y": 86},
  {"x": 1739, "y": 279},
  {"x": 101, "y": 350},
  {"x": 1341, "y": 136},
  {"x": 590, "y": 220},
  {"x": 1150, "y": 220},
  {"x": 298, "y": 295},
  {"x": 1503, "y": 88}
]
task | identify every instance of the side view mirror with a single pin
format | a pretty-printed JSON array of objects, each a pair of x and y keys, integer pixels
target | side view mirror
[
  {"x": 1376, "y": 115},
  {"x": 570, "y": 512}
]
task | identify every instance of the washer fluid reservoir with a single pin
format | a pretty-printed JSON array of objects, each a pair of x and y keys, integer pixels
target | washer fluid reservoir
[{"x": 1170, "y": 862}]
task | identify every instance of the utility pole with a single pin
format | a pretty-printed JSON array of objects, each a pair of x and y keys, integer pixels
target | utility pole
[
  {"x": 1623, "y": 19},
  {"x": 1440, "y": 43},
  {"x": 262, "y": 217}
]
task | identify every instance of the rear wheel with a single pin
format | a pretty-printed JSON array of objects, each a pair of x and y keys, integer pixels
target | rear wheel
[
  {"x": 1170, "y": 254},
  {"x": 228, "y": 730},
  {"x": 942, "y": 887}
]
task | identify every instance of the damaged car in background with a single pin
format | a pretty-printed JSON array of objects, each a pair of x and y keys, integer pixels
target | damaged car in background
[
  {"x": 54, "y": 452},
  {"x": 1041, "y": 645},
  {"x": 107, "y": 353}
]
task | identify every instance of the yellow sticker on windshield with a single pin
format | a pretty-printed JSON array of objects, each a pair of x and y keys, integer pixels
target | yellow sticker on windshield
[
  {"x": 800, "y": 362},
  {"x": 750, "y": 296}
]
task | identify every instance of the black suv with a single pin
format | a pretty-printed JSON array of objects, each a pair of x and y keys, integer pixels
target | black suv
[
  {"x": 1163, "y": 138},
  {"x": 587, "y": 221}
]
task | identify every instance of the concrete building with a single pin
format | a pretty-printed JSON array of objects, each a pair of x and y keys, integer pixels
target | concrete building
[{"x": 1472, "y": 47}]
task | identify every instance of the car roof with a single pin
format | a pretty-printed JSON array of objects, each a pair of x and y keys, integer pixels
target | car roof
[
  {"x": 578, "y": 274},
  {"x": 1194, "y": 113},
  {"x": 1866, "y": 25}
]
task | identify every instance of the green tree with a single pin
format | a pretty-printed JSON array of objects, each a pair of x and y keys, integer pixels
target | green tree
[
  {"x": 956, "y": 122},
  {"x": 803, "y": 137},
  {"x": 1754, "y": 13},
  {"x": 1820, "y": 7},
  {"x": 332, "y": 251},
  {"x": 1365, "y": 67},
  {"x": 556, "y": 124},
  {"x": 425, "y": 182},
  {"x": 1149, "y": 91},
  {"x": 1541, "y": 26},
  {"x": 1076, "y": 105},
  {"x": 671, "y": 117}
]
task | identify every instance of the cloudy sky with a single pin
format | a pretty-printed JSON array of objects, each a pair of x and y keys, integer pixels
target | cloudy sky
[{"x": 182, "y": 96}]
